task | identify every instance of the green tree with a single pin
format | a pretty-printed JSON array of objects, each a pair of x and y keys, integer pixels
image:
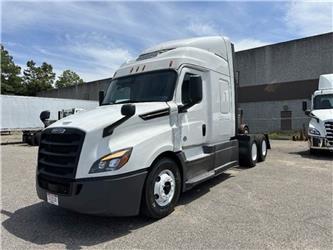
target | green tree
[
  {"x": 68, "y": 78},
  {"x": 38, "y": 79},
  {"x": 11, "y": 82}
]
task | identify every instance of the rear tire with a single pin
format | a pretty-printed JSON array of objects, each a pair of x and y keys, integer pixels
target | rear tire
[
  {"x": 162, "y": 189},
  {"x": 262, "y": 149},
  {"x": 249, "y": 154}
]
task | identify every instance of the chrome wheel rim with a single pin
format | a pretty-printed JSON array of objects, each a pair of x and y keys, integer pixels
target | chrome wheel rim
[
  {"x": 254, "y": 152},
  {"x": 164, "y": 188},
  {"x": 264, "y": 148}
]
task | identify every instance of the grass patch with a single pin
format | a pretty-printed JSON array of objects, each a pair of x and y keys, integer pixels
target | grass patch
[{"x": 284, "y": 135}]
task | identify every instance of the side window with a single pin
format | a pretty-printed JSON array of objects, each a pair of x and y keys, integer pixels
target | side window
[
  {"x": 186, "y": 88},
  {"x": 224, "y": 97}
]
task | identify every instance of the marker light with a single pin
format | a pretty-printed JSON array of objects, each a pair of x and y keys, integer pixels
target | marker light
[
  {"x": 170, "y": 64},
  {"x": 111, "y": 162}
]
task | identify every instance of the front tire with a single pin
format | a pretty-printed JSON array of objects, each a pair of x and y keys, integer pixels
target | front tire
[
  {"x": 313, "y": 151},
  {"x": 162, "y": 189}
]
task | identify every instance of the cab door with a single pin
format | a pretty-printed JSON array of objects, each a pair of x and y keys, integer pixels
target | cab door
[{"x": 193, "y": 122}]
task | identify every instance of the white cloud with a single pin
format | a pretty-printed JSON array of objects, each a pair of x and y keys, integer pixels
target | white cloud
[
  {"x": 94, "y": 39},
  {"x": 104, "y": 62},
  {"x": 309, "y": 18},
  {"x": 98, "y": 55},
  {"x": 249, "y": 44},
  {"x": 202, "y": 29}
]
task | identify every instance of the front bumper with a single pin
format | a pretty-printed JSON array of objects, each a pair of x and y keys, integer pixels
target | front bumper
[
  {"x": 322, "y": 143},
  {"x": 111, "y": 196}
]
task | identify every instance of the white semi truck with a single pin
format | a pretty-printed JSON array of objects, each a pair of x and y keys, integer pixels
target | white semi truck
[
  {"x": 166, "y": 123},
  {"x": 320, "y": 130}
]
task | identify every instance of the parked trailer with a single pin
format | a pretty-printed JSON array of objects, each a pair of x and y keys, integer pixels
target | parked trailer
[
  {"x": 167, "y": 123},
  {"x": 22, "y": 113}
]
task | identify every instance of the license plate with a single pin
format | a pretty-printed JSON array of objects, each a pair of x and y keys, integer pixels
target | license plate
[{"x": 52, "y": 199}]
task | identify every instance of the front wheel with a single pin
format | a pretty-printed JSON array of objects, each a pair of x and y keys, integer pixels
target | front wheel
[{"x": 162, "y": 189}]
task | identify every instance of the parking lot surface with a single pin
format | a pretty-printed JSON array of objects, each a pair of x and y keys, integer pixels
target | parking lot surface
[{"x": 285, "y": 202}]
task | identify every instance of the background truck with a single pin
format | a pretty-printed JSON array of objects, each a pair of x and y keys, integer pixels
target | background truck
[
  {"x": 320, "y": 131},
  {"x": 167, "y": 122},
  {"x": 22, "y": 113}
]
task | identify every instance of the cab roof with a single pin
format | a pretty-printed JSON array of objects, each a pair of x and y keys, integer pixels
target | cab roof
[{"x": 214, "y": 44}]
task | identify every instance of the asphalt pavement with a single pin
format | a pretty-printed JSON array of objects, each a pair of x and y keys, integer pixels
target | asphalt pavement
[{"x": 284, "y": 202}]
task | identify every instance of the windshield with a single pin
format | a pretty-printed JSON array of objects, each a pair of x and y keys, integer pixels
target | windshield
[
  {"x": 155, "y": 86},
  {"x": 323, "y": 102}
]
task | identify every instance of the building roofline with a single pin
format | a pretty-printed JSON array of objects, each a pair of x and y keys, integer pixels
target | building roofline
[
  {"x": 289, "y": 41},
  {"x": 103, "y": 79}
]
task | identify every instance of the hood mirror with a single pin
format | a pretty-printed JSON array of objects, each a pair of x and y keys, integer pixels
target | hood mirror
[
  {"x": 44, "y": 115},
  {"x": 100, "y": 97},
  {"x": 304, "y": 105},
  {"x": 128, "y": 110}
]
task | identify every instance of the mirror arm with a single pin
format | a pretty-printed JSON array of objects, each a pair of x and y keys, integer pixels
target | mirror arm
[
  {"x": 183, "y": 108},
  {"x": 314, "y": 117}
]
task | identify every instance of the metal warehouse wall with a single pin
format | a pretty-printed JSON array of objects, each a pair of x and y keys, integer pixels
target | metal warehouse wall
[
  {"x": 296, "y": 60},
  {"x": 85, "y": 91},
  {"x": 279, "y": 77}
]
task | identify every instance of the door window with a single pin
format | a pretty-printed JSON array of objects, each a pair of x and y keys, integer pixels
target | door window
[{"x": 186, "y": 89}]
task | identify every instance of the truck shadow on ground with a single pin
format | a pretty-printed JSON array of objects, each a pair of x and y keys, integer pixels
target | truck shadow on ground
[
  {"x": 324, "y": 155},
  {"x": 44, "y": 224}
]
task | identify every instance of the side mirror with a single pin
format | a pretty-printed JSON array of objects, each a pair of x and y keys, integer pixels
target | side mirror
[
  {"x": 307, "y": 112},
  {"x": 304, "y": 106},
  {"x": 100, "y": 97},
  {"x": 128, "y": 110},
  {"x": 44, "y": 115},
  {"x": 195, "y": 89}
]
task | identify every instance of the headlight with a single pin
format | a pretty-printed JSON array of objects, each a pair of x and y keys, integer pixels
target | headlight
[
  {"x": 111, "y": 161},
  {"x": 314, "y": 131}
]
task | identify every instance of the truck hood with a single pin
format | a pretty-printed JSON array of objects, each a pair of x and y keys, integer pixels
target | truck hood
[
  {"x": 323, "y": 114},
  {"x": 103, "y": 116}
]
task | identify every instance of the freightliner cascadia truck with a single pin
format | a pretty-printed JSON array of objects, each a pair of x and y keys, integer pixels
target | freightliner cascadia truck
[
  {"x": 320, "y": 130},
  {"x": 166, "y": 123}
]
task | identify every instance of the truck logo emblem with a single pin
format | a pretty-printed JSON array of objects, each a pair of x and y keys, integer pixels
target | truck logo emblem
[{"x": 58, "y": 131}]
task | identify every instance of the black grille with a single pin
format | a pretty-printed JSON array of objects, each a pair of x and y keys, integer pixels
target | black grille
[
  {"x": 329, "y": 132},
  {"x": 59, "y": 153}
]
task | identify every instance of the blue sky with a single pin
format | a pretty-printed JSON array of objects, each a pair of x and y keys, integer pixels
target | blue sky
[{"x": 94, "y": 38}]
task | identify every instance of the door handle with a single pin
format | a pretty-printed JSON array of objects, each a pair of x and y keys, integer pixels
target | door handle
[{"x": 203, "y": 129}]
